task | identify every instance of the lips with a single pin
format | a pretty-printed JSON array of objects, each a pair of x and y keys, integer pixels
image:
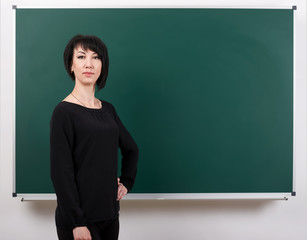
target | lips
[{"x": 88, "y": 74}]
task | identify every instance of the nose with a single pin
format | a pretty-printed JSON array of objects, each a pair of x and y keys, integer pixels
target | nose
[{"x": 88, "y": 63}]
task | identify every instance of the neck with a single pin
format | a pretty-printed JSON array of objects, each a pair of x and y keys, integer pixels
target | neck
[{"x": 86, "y": 94}]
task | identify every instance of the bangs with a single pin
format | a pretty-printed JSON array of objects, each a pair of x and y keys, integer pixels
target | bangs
[{"x": 89, "y": 44}]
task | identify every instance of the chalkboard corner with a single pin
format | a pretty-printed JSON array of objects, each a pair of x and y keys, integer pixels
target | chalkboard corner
[
  {"x": 14, "y": 194},
  {"x": 294, "y": 7},
  {"x": 14, "y": 7},
  {"x": 293, "y": 194}
]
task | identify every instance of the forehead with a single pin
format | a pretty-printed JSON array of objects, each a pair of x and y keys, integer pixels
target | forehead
[{"x": 79, "y": 48}]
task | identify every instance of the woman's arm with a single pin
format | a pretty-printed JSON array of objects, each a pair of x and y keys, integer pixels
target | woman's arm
[
  {"x": 130, "y": 155},
  {"x": 62, "y": 169}
]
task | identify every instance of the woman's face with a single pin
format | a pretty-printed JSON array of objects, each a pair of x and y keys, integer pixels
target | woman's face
[{"x": 86, "y": 66}]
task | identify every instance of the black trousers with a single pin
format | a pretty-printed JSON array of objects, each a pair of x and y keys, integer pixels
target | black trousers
[{"x": 105, "y": 230}]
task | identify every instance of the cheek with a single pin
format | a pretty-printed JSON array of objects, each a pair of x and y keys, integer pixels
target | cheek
[
  {"x": 75, "y": 66},
  {"x": 99, "y": 69}
]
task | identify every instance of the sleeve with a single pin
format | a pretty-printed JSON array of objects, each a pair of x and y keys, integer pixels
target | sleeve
[
  {"x": 130, "y": 155},
  {"x": 62, "y": 169}
]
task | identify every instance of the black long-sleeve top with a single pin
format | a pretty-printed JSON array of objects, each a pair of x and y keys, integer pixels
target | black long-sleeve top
[{"x": 84, "y": 145}]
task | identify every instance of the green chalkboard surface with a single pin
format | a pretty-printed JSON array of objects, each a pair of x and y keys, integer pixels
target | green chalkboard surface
[{"x": 206, "y": 93}]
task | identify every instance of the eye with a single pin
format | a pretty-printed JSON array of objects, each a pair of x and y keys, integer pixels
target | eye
[
  {"x": 96, "y": 57},
  {"x": 80, "y": 57}
]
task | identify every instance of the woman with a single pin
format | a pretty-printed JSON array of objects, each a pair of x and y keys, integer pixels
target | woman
[{"x": 85, "y": 134}]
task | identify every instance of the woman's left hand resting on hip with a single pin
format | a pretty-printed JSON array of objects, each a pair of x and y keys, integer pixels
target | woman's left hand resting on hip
[{"x": 122, "y": 190}]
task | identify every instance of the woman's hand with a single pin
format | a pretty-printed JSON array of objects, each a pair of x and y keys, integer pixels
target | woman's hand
[
  {"x": 82, "y": 233},
  {"x": 122, "y": 190}
]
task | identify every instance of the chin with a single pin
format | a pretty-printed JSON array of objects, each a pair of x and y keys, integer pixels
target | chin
[{"x": 87, "y": 81}]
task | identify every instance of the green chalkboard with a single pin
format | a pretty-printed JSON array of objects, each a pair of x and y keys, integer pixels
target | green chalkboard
[{"x": 206, "y": 93}]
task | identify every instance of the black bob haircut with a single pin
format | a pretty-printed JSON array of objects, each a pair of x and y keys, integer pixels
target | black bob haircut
[{"x": 94, "y": 44}]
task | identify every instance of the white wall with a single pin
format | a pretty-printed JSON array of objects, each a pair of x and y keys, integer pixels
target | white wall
[{"x": 167, "y": 219}]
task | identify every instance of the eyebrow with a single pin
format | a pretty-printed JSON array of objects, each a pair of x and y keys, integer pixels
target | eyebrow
[{"x": 85, "y": 53}]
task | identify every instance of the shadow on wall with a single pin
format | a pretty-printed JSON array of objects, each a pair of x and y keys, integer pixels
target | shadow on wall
[
  {"x": 195, "y": 205},
  {"x": 45, "y": 208}
]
